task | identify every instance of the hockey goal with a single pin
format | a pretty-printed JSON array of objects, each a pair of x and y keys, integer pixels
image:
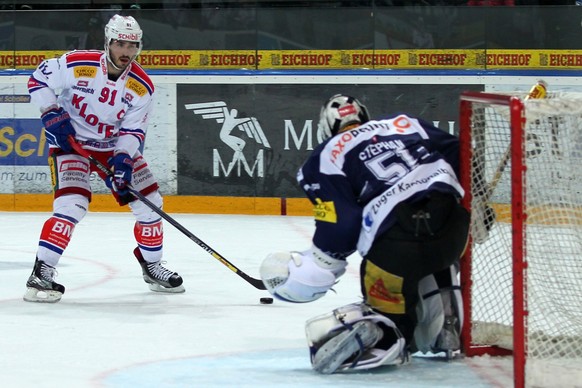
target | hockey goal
[{"x": 522, "y": 281}]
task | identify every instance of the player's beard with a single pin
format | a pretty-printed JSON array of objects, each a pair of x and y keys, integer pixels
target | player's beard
[
  {"x": 123, "y": 62},
  {"x": 120, "y": 64}
]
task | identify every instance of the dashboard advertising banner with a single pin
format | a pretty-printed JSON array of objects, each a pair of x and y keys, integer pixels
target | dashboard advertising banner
[
  {"x": 410, "y": 59},
  {"x": 250, "y": 139}
]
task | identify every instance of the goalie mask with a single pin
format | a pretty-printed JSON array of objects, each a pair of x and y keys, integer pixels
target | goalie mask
[
  {"x": 339, "y": 112},
  {"x": 123, "y": 28}
]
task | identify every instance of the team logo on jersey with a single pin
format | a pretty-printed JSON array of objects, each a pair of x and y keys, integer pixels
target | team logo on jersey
[
  {"x": 84, "y": 71},
  {"x": 135, "y": 86},
  {"x": 325, "y": 211},
  {"x": 251, "y": 130},
  {"x": 401, "y": 124},
  {"x": 73, "y": 165}
]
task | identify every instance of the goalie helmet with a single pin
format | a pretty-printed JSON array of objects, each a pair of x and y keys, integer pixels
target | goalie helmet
[
  {"x": 340, "y": 111},
  {"x": 123, "y": 28}
]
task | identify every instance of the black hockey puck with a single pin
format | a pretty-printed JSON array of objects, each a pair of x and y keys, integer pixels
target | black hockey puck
[{"x": 266, "y": 300}]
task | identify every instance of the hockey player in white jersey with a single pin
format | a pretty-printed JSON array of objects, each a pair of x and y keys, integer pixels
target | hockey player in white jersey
[
  {"x": 105, "y": 101},
  {"x": 387, "y": 188}
]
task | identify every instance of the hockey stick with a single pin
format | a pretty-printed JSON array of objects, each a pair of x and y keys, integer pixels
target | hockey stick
[
  {"x": 257, "y": 283},
  {"x": 538, "y": 91}
]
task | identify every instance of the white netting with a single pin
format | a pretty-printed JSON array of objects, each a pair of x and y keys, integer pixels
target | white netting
[{"x": 553, "y": 234}]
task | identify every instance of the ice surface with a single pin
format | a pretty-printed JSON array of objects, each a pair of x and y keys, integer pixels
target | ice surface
[{"x": 109, "y": 330}]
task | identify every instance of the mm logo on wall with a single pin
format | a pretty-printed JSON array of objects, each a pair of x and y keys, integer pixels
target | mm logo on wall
[
  {"x": 234, "y": 132},
  {"x": 251, "y": 139}
]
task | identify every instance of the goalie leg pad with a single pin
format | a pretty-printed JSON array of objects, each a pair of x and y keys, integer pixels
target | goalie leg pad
[
  {"x": 350, "y": 337},
  {"x": 439, "y": 312},
  {"x": 354, "y": 340},
  {"x": 430, "y": 313}
]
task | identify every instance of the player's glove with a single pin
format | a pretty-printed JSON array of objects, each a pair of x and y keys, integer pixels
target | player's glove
[
  {"x": 122, "y": 166},
  {"x": 300, "y": 277},
  {"x": 58, "y": 127}
]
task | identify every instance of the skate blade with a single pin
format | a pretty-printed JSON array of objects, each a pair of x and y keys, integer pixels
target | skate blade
[
  {"x": 38, "y": 296},
  {"x": 173, "y": 290}
]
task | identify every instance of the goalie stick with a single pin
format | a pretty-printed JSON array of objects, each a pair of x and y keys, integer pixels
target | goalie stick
[
  {"x": 538, "y": 91},
  {"x": 257, "y": 283}
]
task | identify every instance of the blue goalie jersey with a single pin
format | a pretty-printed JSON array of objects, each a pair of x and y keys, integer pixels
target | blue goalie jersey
[{"x": 356, "y": 178}]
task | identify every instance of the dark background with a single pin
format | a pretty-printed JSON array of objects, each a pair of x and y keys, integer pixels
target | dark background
[
  {"x": 263, "y": 25},
  {"x": 291, "y": 25},
  {"x": 271, "y": 105}
]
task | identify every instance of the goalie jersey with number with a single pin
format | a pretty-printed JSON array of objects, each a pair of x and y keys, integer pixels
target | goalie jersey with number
[
  {"x": 102, "y": 111},
  {"x": 357, "y": 177}
]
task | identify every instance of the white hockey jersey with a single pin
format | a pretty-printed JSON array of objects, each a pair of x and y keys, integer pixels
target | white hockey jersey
[{"x": 106, "y": 114}]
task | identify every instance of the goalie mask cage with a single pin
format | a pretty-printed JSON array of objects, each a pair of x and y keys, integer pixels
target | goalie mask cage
[{"x": 522, "y": 281}]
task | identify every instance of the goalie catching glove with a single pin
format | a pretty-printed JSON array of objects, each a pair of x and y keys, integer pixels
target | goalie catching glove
[{"x": 301, "y": 277}]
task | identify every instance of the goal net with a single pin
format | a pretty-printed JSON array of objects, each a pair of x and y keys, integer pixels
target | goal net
[{"x": 522, "y": 280}]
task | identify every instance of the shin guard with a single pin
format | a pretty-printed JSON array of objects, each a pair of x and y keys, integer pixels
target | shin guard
[
  {"x": 149, "y": 237},
  {"x": 55, "y": 237}
]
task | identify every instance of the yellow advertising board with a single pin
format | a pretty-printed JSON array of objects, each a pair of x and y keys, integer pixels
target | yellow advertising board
[{"x": 411, "y": 59}]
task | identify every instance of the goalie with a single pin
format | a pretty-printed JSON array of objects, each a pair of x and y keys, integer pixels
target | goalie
[{"x": 388, "y": 189}]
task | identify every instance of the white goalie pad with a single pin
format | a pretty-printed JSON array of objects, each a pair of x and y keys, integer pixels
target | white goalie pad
[
  {"x": 440, "y": 315},
  {"x": 345, "y": 339}
]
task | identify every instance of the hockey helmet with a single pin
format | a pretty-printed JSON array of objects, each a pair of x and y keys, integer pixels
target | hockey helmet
[
  {"x": 340, "y": 111},
  {"x": 123, "y": 28}
]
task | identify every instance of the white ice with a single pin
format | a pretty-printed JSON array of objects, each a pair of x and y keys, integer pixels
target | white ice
[{"x": 109, "y": 330}]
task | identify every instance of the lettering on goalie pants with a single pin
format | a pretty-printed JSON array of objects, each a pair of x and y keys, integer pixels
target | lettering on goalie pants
[{"x": 383, "y": 290}]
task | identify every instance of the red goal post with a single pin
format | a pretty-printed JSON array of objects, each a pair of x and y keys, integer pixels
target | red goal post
[{"x": 522, "y": 281}]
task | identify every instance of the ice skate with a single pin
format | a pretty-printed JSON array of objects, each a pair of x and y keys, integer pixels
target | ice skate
[
  {"x": 159, "y": 278},
  {"x": 41, "y": 286},
  {"x": 448, "y": 340}
]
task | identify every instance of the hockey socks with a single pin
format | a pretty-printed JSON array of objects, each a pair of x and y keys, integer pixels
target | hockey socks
[{"x": 55, "y": 237}]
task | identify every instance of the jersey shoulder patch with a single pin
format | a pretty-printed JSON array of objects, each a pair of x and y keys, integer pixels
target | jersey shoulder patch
[
  {"x": 138, "y": 80},
  {"x": 84, "y": 64},
  {"x": 83, "y": 58}
]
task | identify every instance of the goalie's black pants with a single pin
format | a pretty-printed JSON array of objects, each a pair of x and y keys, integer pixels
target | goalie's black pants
[{"x": 429, "y": 236}]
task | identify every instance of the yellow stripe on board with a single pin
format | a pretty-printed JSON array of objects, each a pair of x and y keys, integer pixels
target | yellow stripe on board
[
  {"x": 546, "y": 215},
  {"x": 172, "y": 204}
]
